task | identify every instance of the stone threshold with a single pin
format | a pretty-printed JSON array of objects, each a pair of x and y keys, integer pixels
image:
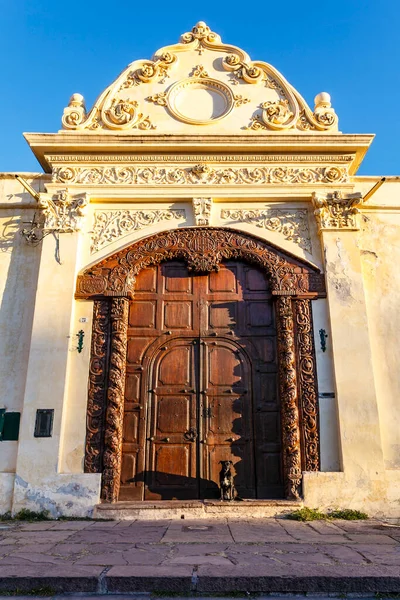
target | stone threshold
[{"x": 195, "y": 509}]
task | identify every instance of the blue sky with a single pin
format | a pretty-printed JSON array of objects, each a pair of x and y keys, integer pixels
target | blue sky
[{"x": 349, "y": 48}]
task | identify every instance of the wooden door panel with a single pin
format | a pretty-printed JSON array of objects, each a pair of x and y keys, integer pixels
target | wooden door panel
[
  {"x": 171, "y": 470},
  {"x": 222, "y": 393}
]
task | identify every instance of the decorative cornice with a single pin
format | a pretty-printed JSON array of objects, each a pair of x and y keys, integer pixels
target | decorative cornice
[
  {"x": 329, "y": 159},
  {"x": 291, "y": 223},
  {"x": 202, "y": 210},
  {"x": 337, "y": 210},
  {"x": 110, "y": 225},
  {"x": 199, "y": 174}
]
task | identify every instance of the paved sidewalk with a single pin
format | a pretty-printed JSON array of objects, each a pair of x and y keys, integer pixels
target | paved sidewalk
[{"x": 187, "y": 557}]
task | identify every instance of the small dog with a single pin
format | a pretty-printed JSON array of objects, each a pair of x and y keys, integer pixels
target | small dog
[{"x": 226, "y": 484}]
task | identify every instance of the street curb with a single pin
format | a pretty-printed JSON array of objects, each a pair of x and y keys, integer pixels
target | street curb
[{"x": 185, "y": 584}]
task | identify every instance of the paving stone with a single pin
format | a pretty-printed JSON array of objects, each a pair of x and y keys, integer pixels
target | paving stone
[
  {"x": 258, "y": 532},
  {"x": 343, "y": 554},
  {"x": 42, "y": 526},
  {"x": 41, "y": 537},
  {"x": 194, "y": 559},
  {"x": 325, "y": 527},
  {"x": 155, "y": 578},
  {"x": 295, "y": 546},
  {"x": 106, "y": 560},
  {"x": 151, "y": 556},
  {"x": 249, "y": 558},
  {"x": 72, "y": 525},
  {"x": 24, "y": 558},
  {"x": 361, "y": 538},
  {"x": 380, "y": 554},
  {"x": 306, "y": 558},
  {"x": 189, "y": 549},
  {"x": 193, "y": 532}
]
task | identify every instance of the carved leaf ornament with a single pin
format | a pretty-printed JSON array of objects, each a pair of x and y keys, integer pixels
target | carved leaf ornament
[{"x": 122, "y": 105}]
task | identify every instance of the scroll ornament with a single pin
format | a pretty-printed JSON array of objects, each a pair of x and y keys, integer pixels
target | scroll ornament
[
  {"x": 291, "y": 223},
  {"x": 110, "y": 225},
  {"x": 337, "y": 210}
]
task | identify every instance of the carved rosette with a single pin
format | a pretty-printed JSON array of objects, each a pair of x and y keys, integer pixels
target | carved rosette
[
  {"x": 337, "y": 210},
  {"x": 308, "y": 390},
  {"x": 289, "y": 401},
  {"x": 202, "y": 210},
  {"x": 98, "y": 368},
  {"x": 115, "y": 400}
]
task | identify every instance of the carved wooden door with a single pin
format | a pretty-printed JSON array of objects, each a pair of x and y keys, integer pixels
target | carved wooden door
[{"x": 201, "y": 385}]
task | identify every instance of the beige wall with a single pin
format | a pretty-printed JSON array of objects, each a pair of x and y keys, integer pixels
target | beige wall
[{"x": 41, "y": 368}]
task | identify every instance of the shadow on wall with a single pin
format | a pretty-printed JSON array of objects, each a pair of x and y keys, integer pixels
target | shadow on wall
[{"x": 19, "y": 268}]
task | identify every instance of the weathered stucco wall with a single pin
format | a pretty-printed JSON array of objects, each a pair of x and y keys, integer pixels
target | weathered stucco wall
[
  {"x": 380, "y": 252},
  {"x": 19, "y": 265}
]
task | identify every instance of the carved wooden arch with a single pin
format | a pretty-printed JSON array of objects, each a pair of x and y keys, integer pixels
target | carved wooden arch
[{"x": 110, "y": 283}]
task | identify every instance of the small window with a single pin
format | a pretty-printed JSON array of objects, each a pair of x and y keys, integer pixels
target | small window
[
  {"x": 9, "y": 425},
  {"x": 44, "y": 422}
]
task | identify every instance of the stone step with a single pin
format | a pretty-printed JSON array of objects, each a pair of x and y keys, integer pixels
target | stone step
[{"x": 194, "y": 509}]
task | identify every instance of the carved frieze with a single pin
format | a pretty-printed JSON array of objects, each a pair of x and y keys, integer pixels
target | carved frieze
[
  {"x": 291, "y": 223},
  {"x": 199, "y": 174},
  {"x": 337, "y": 210},
  {"x": 202, "y": 250},
  {"x": 202, "y": 210},
  {"x": 289, "y": 398},
  {"x": 110, "y": 225}
]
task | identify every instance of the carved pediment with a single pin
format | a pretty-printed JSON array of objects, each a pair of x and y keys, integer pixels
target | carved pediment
[{"x": 200, "y": 84}]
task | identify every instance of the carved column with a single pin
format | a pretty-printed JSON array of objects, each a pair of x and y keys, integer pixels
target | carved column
[
  {"x": 98, "y": 369},
  {"x": 307, "y": 381},
  {"x": 115, "y": 400},
  {"x": 289, "y": 400}
]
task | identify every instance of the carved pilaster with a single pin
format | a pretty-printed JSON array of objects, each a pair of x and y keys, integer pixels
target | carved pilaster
[
  {"x": 308, "y": 390},
  {"x": 97, "y": 387},
  {"x": 337, "y": 210},
  {"x": 202, "y": 210},
  {"x": 115, "y": 400},
  {"x": 288, "y": 395}
]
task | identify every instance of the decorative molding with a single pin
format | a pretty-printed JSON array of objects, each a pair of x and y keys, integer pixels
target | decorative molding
[
  {"x": 291, "y": 223},
  {"x": 62, "y": 212},
  {"x": 281, "y": 107},
  {"x": 115, "y": 400},
  {"x": 308, "y": 389},
  {"x": 199, "y": 174},
  {"x": 96, "y": 407},
  {"x": 217, "y": 158},
  {"x": 202, "y": 250},
  {"x": 337, "y": 210},
  {"x": 110, "y": 225},
  {"x": 288, "y": 397},
  {"x": 202, "y": 210}
]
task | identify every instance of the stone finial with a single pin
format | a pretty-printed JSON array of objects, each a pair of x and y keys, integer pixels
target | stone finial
[
  {"x": 324, "y": 114},
  {"x": 75, "y": 112}
]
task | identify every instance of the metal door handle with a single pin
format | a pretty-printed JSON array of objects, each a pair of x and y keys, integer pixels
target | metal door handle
[{"x": 190, "y": 435}]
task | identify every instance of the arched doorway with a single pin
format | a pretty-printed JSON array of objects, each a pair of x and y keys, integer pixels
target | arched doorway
[
  {"x": 201, "y": 384},
  {"x": 202, "y": 351}
]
